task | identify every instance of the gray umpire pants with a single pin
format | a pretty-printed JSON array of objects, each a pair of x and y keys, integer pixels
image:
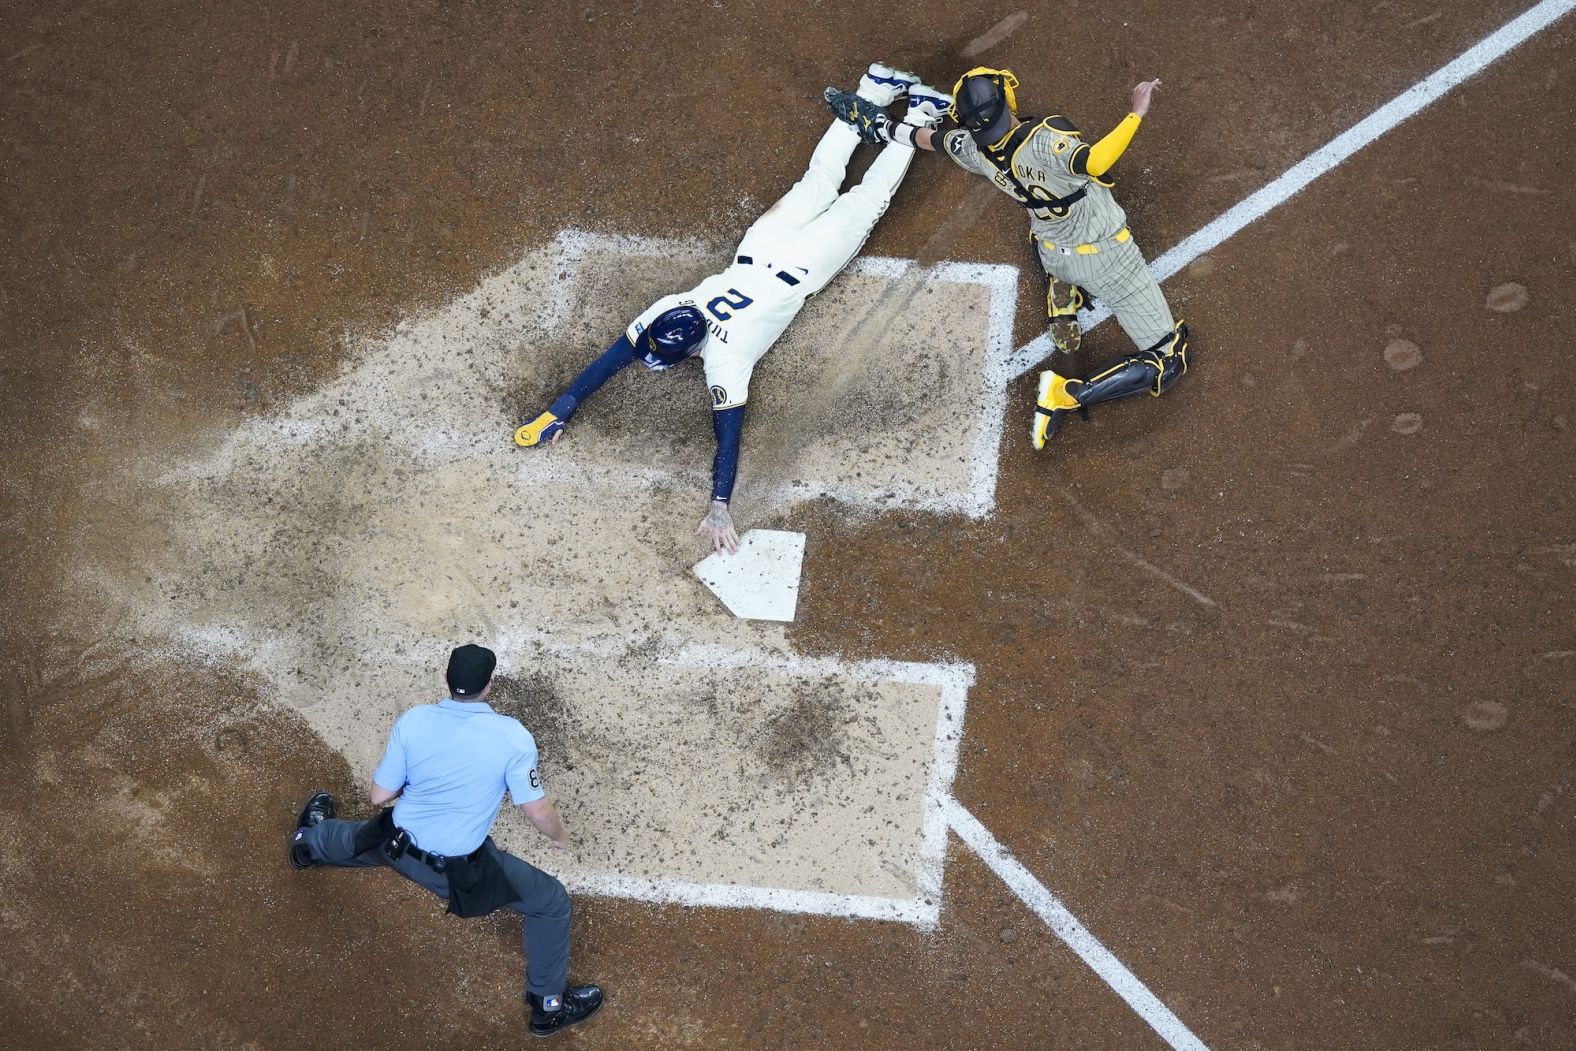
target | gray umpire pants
[{"x": 542, "y": 901}]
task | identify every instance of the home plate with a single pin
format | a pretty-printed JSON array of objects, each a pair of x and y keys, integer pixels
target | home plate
[{"x": 761, "y": 580}]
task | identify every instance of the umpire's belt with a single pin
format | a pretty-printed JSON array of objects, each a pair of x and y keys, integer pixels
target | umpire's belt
[
  {"x": 441, "y": 862},
  {"x": 782, "y": 275},
  {"x": 1093, "y": 248}
]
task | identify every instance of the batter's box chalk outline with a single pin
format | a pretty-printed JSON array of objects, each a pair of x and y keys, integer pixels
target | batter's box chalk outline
[
  {"x": 924, "y": 909},
  {"x": 978, "y": 500},
  {"x": 519, "y": 647}
]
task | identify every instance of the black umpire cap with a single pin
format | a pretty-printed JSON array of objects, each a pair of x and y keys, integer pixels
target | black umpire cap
[
  {"x": 983, "y": 109},
  {"x": 470, "y": 669}
]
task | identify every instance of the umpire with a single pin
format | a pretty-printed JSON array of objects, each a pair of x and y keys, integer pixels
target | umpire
[{"x": 447, "y": 765}]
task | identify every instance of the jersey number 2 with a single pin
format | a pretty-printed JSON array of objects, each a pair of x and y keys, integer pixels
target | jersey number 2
[{"x": 722, "y": 307}]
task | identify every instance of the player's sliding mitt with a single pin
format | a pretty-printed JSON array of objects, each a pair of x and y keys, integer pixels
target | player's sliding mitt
[{"x": 864, "y": 116}]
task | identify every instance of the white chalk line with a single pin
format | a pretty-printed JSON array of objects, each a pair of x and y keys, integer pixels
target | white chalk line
[
  {"x": 918, "y": 912},
  {"x": 938, "y": 793},
  {"x": 1256, "y": 205},
  {"x": 1073, "y": 934},
  {"x": 955, "y": 674},
  {"x": 954, "y": 680},
  {"x": 1411, "y": 101}
]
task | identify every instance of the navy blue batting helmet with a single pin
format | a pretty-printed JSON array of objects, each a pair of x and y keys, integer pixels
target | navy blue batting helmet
[{"x": 673, "y": 336}]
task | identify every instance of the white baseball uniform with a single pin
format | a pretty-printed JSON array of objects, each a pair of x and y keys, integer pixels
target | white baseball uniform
[{"x": 789, "y": 254}]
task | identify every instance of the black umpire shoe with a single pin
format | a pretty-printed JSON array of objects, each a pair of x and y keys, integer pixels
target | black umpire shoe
[
  {"x": 318, "y": 807},
  {"x": 578, "y": 1003}
]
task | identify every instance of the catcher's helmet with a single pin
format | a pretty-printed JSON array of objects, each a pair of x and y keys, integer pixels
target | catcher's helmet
[
  {"x": 673, "y": 336},
  {"x": 985, "y": 101}
]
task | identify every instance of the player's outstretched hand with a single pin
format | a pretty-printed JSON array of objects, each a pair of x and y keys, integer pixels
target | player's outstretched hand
[
  {"x": 718, "y": 524},
  {"x": 545, "y": 429},
  {"x": 1142, "y": 94}
]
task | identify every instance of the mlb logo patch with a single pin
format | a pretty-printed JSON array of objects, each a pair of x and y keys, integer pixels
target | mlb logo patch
[{"x": 552, "y": 1003}]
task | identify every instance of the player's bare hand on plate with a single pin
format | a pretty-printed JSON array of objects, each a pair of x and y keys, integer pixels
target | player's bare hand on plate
[
  {"x": 718, "y": 524},
  {"x": 1142, "y": 95}
]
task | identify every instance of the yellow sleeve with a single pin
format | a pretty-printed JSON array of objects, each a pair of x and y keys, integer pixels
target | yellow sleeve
[{"x": 1097, "y": 160}]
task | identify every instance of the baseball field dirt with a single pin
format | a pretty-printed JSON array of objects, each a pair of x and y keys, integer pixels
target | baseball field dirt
[{"x": 1267, "y": 682}]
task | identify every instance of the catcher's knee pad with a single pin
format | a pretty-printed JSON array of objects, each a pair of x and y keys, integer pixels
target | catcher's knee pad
[{"x": 1063, "y": 300}]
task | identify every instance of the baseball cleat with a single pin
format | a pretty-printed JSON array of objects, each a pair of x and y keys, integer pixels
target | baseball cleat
[
  {"x": 540, "y": 430},
  {"x": 549, "y": 1014},
  {"x": 1055, "y": 401},
  {"x": 319, "y": 807},
  {"x": 926, "y": 106},
  {"x": 884, "y": 85}
]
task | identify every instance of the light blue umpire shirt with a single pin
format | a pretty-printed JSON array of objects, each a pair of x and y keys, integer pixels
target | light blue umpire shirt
[{"x": 454, "y": 759}]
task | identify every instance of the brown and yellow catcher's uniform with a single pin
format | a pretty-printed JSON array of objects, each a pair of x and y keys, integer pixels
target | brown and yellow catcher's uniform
[{"x": 1079, "y": 230}]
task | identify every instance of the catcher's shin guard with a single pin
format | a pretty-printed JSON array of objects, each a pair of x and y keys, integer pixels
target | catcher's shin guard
[
  {"x": 1063, "y": 300},
  {"x": 1153, "y": 370}
]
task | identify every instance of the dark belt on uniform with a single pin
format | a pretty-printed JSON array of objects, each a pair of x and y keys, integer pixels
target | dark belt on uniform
[
  {"x": 441, "y": 862},
  {"x": 782, "y": 275}
]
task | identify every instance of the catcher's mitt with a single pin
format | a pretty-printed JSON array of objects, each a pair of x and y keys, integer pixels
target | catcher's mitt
[{"x": 868, "y": 119}]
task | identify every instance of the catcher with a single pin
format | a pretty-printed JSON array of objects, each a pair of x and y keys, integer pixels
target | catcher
[{"x": 1079, "y": 231}]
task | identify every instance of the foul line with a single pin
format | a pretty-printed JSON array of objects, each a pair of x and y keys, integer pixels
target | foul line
[
  {"x": 1074, "y": 934},
  {"x": 1256, "y": 205}
]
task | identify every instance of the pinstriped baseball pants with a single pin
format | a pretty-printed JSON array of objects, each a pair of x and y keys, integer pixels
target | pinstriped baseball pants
[{"x": 1119, "y": 278}]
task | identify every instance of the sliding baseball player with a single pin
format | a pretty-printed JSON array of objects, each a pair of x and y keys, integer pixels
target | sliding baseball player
[{"x": 732, "y": 319}]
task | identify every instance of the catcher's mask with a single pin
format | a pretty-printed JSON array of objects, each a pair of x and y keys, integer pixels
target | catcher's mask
[
  {"x": 985, "y": 100},
  {"x": 675, "y": 335}
]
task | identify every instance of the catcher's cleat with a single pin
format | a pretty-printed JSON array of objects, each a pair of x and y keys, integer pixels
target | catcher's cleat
[
  {"x": 540, "y": 430},
  {"x": 1063, "y": 300},
  {"x": 884, "y": 85},
  {"x": 926, "y": 106},
  {"x": 869, "y": 120},
  {"x": 549, "y": 1014},
  {"x": 319, "y": 807},
  {"x": 1056, "y": 400},
  {"x": 1066, "y": 335}
]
